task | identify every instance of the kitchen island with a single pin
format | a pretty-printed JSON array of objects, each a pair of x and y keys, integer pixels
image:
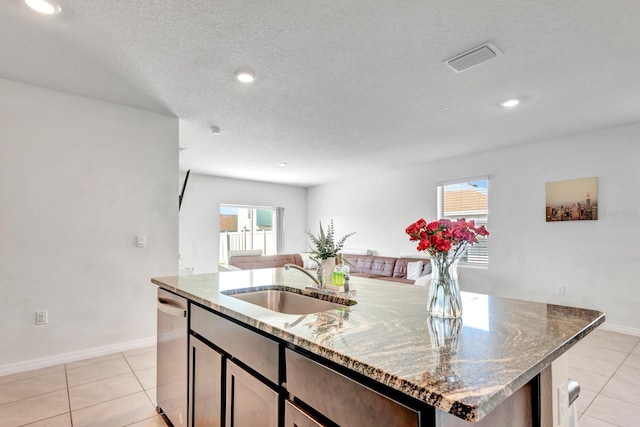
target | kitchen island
[{"x": 502, "y": 361}]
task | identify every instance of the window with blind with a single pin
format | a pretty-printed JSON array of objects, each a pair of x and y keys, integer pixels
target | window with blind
[{"x": 467, "y": 199}]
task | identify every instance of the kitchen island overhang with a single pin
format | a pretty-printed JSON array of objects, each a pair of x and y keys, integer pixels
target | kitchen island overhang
[{"x": 465, "y": 369}]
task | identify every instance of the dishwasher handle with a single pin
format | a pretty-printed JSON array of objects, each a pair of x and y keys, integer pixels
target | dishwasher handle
[{"x": 171, "y": 308}]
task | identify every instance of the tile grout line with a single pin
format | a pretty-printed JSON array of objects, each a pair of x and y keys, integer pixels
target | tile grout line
[
  {"x": 64, "y": 369},
  {"x": 66, "y": 380},
  {"x": 154, "y": 404},
  {"x": 116, "y": 398},
  {"x": 102, "y": 379},
  {"x": 93, "y": 363},
  {"x": 627, "y": 352},
  {"x": 35, "y": 395},
  {"x": 604, "y": 385},
  {"x": 139, "y": 382}
]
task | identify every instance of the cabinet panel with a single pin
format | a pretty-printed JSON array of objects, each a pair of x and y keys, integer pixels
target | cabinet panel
[
  {"x": 256, "y": 351},
  {"x": 296, "y": 417},
  {"x": 341, "y": 399},
  {"x": 250, "y": 403},
  {"x": 205, "y": 373}
]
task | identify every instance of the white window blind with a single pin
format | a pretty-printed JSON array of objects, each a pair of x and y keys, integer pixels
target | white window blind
[{"x": 467, "y": 199}]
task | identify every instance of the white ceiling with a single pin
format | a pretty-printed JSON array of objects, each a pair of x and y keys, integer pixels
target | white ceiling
[{"x": 343, "y": 87}]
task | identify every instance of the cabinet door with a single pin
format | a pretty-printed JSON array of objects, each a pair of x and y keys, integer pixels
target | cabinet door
[
  {"x": 250, "y": 403},
  {"x": 205, "y": 373},
  {"x": 296, "y": 417}
]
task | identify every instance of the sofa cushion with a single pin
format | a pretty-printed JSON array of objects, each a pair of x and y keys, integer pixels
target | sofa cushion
[
  {"x": 414, "y": 270},
  {"x": 307, "y": 262},
  {"x": 267, "y": 261},
  {"x": 378, "y": 265},
  {"x": 426, "y": 270},
  {"x": 400, "y": 269}
]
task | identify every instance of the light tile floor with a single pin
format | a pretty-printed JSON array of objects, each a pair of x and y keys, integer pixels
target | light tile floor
[
  {"x": 607, "y": 366},
  {"x": 119, "y": 389},
  {"x": 114, "y": 390}
]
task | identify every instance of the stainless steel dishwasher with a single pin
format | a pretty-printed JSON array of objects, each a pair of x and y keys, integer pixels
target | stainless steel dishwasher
[{"x": 172, "y": 357}]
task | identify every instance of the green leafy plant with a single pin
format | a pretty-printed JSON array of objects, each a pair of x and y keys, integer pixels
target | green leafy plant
[{"x": 326, "y": 245}]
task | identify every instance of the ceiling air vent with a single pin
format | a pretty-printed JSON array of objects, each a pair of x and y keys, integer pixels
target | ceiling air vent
[{"x": 473, "y": 57}]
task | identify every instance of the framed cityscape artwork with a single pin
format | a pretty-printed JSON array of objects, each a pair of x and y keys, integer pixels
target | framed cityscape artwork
[{"x": 574, "y": 200}]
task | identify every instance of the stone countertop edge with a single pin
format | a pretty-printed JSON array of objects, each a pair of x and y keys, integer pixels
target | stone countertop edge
[{"x": 469, "y": 411}]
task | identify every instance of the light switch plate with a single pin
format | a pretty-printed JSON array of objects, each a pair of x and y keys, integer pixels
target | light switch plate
[{"x": 141, "y": 241}]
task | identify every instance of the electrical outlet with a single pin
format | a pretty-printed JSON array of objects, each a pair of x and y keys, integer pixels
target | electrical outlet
[
  {"x": 562, "y": 290},
  {"x": 42, "y": 317}
]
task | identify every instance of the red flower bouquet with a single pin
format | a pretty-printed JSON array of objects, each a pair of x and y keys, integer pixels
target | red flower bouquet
[
  {"x": 441, "y": 236},
  {"x": 446, "y": 241}
]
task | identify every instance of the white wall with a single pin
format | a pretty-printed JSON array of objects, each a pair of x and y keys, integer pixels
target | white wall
[
  {"x": 79, "y": 178},
  {"x": 597, "y": 261},
  {"x": 199, "y": 215}
]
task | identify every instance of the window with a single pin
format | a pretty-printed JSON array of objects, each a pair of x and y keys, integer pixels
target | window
[
  {"x": 467, "y": 199},
  {"x": 246, "y": 228}
]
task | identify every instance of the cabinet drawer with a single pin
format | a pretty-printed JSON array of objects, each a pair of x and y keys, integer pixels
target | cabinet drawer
[
  {"x": 252, "y": 349},
  {"x": 296, "y": 417},
  {"x": 341, "y": 399}
]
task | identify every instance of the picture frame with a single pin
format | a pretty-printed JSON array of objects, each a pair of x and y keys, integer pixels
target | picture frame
[{"x": 572, "y": 200}]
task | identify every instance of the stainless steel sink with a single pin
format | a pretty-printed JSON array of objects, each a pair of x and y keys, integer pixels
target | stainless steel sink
[{"x": 288, "y": 302}]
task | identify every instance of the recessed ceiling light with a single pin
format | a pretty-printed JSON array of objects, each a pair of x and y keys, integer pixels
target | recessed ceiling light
[
  {"x": 282, "y": 164},
  {"x": 509, "y": 103},
  {"x": 245, "y": 76},
  {"x": 46, "y": 7}
]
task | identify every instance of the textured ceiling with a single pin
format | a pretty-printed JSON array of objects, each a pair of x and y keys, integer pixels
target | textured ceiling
[{"x": 343, "y": 87}]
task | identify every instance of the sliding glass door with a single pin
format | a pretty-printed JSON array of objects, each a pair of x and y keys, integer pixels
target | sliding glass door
[{"x": 247, "y": 228}]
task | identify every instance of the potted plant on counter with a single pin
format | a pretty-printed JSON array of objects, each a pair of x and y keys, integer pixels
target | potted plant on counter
[{"x": 326, "y": 248}]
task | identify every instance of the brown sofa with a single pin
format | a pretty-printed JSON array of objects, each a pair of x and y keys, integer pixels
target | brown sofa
[
  {"x": 266, "y": 261},
  {"x": 380, "y": 267},
  {"x": 369, "y": 266}
]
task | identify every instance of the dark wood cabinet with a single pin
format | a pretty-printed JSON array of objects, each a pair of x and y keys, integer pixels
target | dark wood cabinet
[
  {"x": 249, "y": 402},
  {"x": 206, "y": 391},
  {"x": 296, "y": 417},
  {"x": 237, "y": 379},
  {"x": 341, "y": 399}
]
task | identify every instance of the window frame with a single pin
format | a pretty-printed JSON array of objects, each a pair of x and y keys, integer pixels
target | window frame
[{"x": 480, "y": 219}]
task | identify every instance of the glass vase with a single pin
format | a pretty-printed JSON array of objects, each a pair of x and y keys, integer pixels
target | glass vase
[
  {"x": 444, "y": 292},
  {"x": 328, "y": 265},
  {"x": 444, "y": 334}
]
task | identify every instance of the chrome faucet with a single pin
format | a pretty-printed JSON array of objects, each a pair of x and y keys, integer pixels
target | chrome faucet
[{"x": 317, "y": 281}]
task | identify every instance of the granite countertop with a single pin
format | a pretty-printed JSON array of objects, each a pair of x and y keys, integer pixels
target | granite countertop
[{"x": 465, "y": 368}]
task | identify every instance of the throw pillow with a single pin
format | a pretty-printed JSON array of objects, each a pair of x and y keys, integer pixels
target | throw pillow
[
  {"x": 414, "y": 269},
  {"x": 426, "y": 270},
  {"x": 308, "y": 263}
]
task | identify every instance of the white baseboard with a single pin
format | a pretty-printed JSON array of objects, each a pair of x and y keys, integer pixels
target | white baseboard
[
  {"x": 58, "y": 359},
  {"x": 620, "y": 329}
]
